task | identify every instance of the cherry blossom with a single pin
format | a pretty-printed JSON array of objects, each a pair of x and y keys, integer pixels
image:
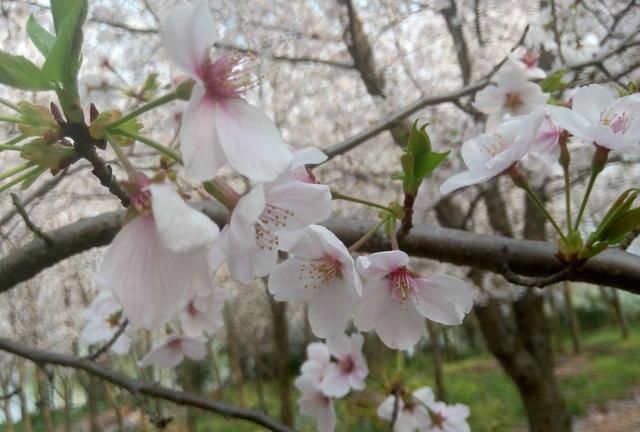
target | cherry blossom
[
  {"x": 350, "y": 370},
  {"x": 318, "y": 359},
  {"x": 104, "y": 319},
  {"x": 159, "y": 259},
  {"x": 395, "y": 301},
  {"x": 448, "y": 418},
  {"x": 413, "y": 413},
  {"x": 511, "y": 94},
  {"x": 321, "y": 273},
  {"x": 203, "y": 314},
  {"x": 314, "y": 403},
  {"x": 527, "y": 60},
  {"x": 489, "y": 155},
  {"x": 251, "y": 241},
  {"x": 598, "y": 116},
  {"x": 171, "y": 352},
  {"x": 219, "y": 127},
  {"x": 546, "y": 144}
]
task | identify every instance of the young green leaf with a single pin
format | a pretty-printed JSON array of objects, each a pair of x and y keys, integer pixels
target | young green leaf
[
  {"x": 18, "y": 72},
  {"x": 554, "y": 82},
  {"x": 618, "y": 229},
  {"x": 61, "y": 8},
  {"x": 41, "y": 38}
]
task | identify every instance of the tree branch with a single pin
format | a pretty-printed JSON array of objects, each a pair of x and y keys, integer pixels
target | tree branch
[
  {"x": 613, "y": 267},
  {"x": 28, "y": 222},
  {"x": 141, "y": 387}
]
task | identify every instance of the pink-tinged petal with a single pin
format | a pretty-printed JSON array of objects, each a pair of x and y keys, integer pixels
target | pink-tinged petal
[
  {"x": 319, "y": 352},
  {"x": 287, "y": 281},
  {"x": 339, "y": 346},
  {"x": 216, "y": 255},
  {"x": 590, "y": 101},
  {"x": 181, "y": 227},
  {"x": 489, "y": 100},
  {"x": 305, "y": 384},
  {"x": 443, "y": 299},
  {"x": 327, "y": 418},
  {"x": 240, "y": 269},
  {"x": 251, "y": 142},
  {"x": 331, "y": 244},
  {"x": 604, "y": 137},
  {"x": 380, "y": 264},
  {"x": 307, "y": 203},
  {"x": 307, "y": 156},
  {"x": 96, "y": 331},
  {"x": 288, "y": 239},
  {"x": 163, "y": 356},
  {"x": 528, "y": 126},
  {"x": 263, "y": 261},
  {"x": 330, "y": 309},
  {"x": 199, "y": 142},
  {"x": 241, "y": 235},
  {"x": 385, "y": 409},
  {"x": 472, "y": 151},
  {"x": 424, "y": 395},
  {"x": 406, "y": 422},
  {"x": 193, "y": 348},
  {"x": 122, "y": 345},
  {"x": 335, "y": 383},
  {"x": 151, "y": 282},
  {"x": 376, "y": 297},
  {"x": 356, "y": 342},
  {"x": 310, "y": 244},
  {"x": 399, "y": 325},
  {"x": 575, "y": 123},
  {"x": 464, "y": 179},
  {"x": 188, "y": 34}
]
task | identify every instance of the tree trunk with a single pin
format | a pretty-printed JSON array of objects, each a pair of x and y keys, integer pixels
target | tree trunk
[
  {"x": 91, "y": 390},
  {"x": 556, "y": 328},
  {"x": 574, "y": 324},
  {"x": 281, "y": 356},
  {"x": 622, "y": 321},
  {"x": 44, "y": 399},
  {"x": 115, "y": 405},
  {"x": 6, "y": 404},
  {"x": 67, "y": 391},
  {"x": 234, "y": 351},
  {"x": 24, "y": 403},
  {"x": 441, "y": 392}
]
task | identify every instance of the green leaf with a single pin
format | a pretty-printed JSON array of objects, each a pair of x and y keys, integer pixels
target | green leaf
[
  {"x": 41, "y": 38},
  {"x": 32, "y": 178},
  {"x": 60, "y": 9},
  {"x": 18, "y": 72},
  {"x": 54, "y": 156},
  {"x": 553, "y": 83},
  {"x": 618, "y": 229},
  {"x": 63, "y": 61},
  {"x": 618, "y": 208},
  {"x": 418, "y": 161}
]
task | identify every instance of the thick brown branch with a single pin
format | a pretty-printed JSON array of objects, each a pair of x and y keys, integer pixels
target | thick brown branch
[
  {"x": 119, "y": 379},
  {"x": 612, "y": 267}
]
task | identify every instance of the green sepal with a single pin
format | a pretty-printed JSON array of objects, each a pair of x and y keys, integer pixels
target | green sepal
[
  {"x": 55, "y": 156},
  {"x": 37, "y": 121},
  {"x": 616, "y": 219},
  {"x": 554, "y": 82}
]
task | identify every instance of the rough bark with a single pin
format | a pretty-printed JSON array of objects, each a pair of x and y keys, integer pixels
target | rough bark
[{"x": 574, "y": 324}]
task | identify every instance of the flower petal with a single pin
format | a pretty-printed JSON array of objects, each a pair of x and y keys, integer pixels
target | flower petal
[
  {"x": 398, "y": 326},
  {"x": 287, "y": 281},
  {"x": 443, "y": 299},
  {"x": 335, "y": 383},
  {"x": 188, "y": 34},
  {"x": 203, "y": 156},
  {"x": 380, "y": 264},
  {"x": 375, "y": 298},
  {"x": 330, "y": 308},
  {"x": 591, "y": 100},
  {"x": 251, "y": 142},
  {"x": 181, "y": 227}
]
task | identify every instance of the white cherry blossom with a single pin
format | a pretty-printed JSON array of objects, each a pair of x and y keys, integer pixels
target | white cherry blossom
[
  {"x": 600, "y": 117},
  {"x": 350, "y": 370},
  {"x": 218, "y": 127},
  {"x": 321, "y": 273},
  {"x": 511, "y": 94},
  {"x": 489, "y": 155},
  {"x": 203, "y": 314},
  {"x": 158, "y": 260},
  {"x": 104, "y": 319},
  {"x": 395, "y": 301},
  {"x": 318, "y": 359},
  {"x": 413, "y": 414},
  {"x": 170, "y": 352},
  {"x": 448, "y": 418},
  {"x": 314, "y": 403},
  {"x": 251, "y": 241}
]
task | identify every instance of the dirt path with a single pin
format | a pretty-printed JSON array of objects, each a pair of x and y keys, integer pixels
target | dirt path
[{"x": 618, "y": 416}]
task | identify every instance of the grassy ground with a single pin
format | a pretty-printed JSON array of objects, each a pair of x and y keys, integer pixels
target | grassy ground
[{"x": 608, "y": 369}]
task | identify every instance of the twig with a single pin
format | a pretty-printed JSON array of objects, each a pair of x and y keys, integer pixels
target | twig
[
  {"x": 11, "y": 394},
  {"x": 396, "y": 409},
  {"x": 27, "y": 220},
  {"x": 106, "y": 347},
  {"x": 539, "y": 282},
  {"x": 141, "y": 387},
  {"x": 624, "y": 244}
]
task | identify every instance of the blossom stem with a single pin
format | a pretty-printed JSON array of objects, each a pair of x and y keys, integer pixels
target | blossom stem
[
  {"x": 221, "y": 191},
  {"x": 520, "y": 180},
  {"x": 339, "y": 196},
  {"x": 151, "y": 143},
  {"x": 15, "y": 140},
  {"x": 124, "y": 160},
  {"x": 36, "y": 171},
  {"x": 597, "y": 165},
  {"x": 393, "y": 235},
  {"x": 14, "y": 120},
  {"x": 565, "y": 160},
  {"x": 15, "y": 170},
  {"x": 365, "y": 238},
  {"x": 567, "y": 195},
  {"x": 162, "y": 100},
  {"x": 9, "y": 105},
  {"x": 10, "y": 147}
]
